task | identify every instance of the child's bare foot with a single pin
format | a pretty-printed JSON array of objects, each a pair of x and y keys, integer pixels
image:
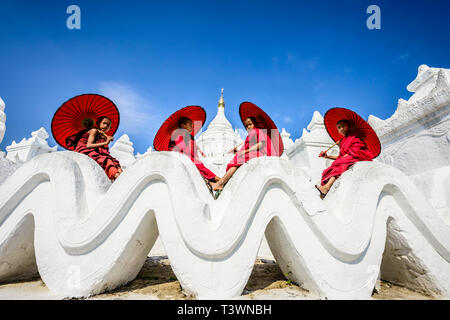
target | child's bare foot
[
  {"x": 323, "y": 191},
  {"x": 216, "y": 186},
  {"x": 116, "y": 175}
]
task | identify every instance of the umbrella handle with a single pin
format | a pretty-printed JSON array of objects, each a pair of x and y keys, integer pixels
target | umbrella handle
[
  {"x": 333, "y": 145},
  {"x": 240, "y": 144},
  {"x": 102, "y": 133}
]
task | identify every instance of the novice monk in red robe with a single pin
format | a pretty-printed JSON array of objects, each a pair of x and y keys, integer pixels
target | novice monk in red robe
[
  {"x": 183, "y": 142},
  {"x": 94, "y": 143},
  {"x": 352, "y": 150},
  {"x": 257, "y": 144}
]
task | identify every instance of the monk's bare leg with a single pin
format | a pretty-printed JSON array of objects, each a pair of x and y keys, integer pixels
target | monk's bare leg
[
  {"x": 221, "y": 183},
  {"x": 327, "y": 186}
]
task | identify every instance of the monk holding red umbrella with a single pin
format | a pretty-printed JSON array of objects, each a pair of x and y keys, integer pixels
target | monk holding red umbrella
[
  {"x": 357, "y": 142},
  {"x": 263, "y": 140},
  {"x": 177, "y": 134},
  {"x": 86, "y": 124}
]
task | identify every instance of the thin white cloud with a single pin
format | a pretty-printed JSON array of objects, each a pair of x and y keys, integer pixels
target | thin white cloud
[
  {"x": 288, "y": 119},
  {"x": 137, "y": 115},
  {"x": 312, "y": 63},
  {"x": 319, "y": 86},
  {"x": 401, "y": 57}
]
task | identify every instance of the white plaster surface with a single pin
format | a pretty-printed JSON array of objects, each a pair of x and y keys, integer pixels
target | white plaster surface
[
  {"x": 99, "y": 236},
  {"x": 7, "y": 167}
]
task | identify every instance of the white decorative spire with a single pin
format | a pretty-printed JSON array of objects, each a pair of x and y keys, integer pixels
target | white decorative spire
[
  {"x": 29, "y": 148},
  {"x": 220, "y": 122},
  {"x": 217, "y": 140},
  {"x": 287, "y": 141},
  {"x": 316, "y": 121},
  {"x": 149, "y": 150},
  {"x": 123, "y": 151},
  {"x": 221, "y": 101},
  {"x": 428, "y": 79}
]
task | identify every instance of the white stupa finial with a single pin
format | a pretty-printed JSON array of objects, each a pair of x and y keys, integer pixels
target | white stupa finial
[
  {"x": 123, "y": 151},
  {"x": 221, "y": 101}
]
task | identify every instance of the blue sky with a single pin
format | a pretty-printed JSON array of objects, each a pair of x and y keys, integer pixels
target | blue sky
[{"x": 154, "y": 57}]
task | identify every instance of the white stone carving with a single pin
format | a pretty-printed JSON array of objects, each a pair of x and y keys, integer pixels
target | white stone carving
[
  {"x": 416, "y": 137},
  {"x": 26, "y": 149},
  {"x": 305, "y": 150},
  {"x": 123, "y": 151},
  {"x": 426, "y": 81},
  {"x": 287, "y": 141},
  {"x": 149, "y": 150},
  {"x": 7, "y": 167}
]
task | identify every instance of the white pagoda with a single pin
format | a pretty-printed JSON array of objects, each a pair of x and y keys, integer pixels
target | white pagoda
[{"x": 217, "y": 140}]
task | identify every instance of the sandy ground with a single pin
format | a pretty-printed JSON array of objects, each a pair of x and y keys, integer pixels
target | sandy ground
[{"x": 156, "y": 281}]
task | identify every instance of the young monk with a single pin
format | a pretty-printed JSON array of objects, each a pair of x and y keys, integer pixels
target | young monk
[
  {"x": 352, "y": 150},
  {"x": 257, "y": 144},
  {"x": 183, "y": 142},
  {"x": 93, "y": 142}
]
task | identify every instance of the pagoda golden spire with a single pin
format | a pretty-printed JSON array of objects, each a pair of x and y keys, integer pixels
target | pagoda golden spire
[{"x": 221, "y": 101}]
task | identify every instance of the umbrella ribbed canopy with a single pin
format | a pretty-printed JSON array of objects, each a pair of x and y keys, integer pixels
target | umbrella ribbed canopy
[
  {"x": 361, "y": 128},
  {"x": 68, "y": 119},
  {"x": 197, "y": 115},
  {"x": 248, "y": 109}
]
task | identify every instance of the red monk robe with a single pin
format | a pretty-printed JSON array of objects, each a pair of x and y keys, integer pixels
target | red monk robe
[
  {"x": 355, "y": 149},
  {"x": 100, "y": 155},
  {"x": 254, "y": 136},
  {"x": 184, "y": 143}
]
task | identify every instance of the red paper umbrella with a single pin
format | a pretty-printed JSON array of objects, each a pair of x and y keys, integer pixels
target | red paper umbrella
[
  {"x": 248, "y": 109},
  {"x": 361, "y": 128},
  {"x": 70, "y": 118},
  {"x": 195, "y": 113}
]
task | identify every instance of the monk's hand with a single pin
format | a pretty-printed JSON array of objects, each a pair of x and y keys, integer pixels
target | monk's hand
[
  {"x": 323, "y": 154},
  {"x": 109, "y": 139},
  {"x": 201, "y": 152}
]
